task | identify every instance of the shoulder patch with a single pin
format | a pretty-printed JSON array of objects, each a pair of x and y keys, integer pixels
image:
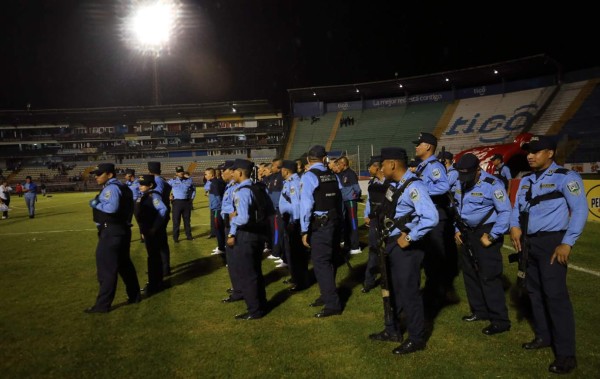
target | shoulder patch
[
  {"x": 436, "y": 173},
  {"x": 499, "y": 194},
  {"x": 574, "y": 188},
  {"x": 107, "y": 194},
  {"x": 156, "y": 202},
  {"x": 414, "y": 194},
  {"x": 292, "y": 190}
]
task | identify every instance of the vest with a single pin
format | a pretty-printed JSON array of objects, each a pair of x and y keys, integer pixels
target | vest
[{"x": 327, "y": 194}]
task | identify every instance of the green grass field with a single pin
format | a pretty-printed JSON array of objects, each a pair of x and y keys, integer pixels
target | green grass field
[{"x": 47, "y": 278}]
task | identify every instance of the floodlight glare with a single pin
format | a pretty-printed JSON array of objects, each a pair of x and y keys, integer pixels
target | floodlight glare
[{"x": 152, "y": 23}]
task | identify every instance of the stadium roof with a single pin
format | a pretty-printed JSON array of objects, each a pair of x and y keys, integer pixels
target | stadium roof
[
  {"x": 123, "y": 115},
  {"x": 523, "y": 68}
]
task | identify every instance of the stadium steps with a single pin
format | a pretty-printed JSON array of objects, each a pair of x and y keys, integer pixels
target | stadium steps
[
  {"x": 444, "y": 121},
  {"x": 334, "y": 130},
  {"x": 308, "y": 134},
  {"x": 557, "y": 108},
  {"x": 290, "y": 143},
  {"x": 573, "y": 107}
]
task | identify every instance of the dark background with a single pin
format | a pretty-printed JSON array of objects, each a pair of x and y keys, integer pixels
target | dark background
[{"x": 67, "y": 53}]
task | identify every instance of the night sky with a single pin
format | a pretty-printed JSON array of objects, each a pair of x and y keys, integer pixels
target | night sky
[{"x": 70, "y": 54}]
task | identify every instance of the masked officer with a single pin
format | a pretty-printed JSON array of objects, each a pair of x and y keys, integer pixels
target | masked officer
[
  {"x": 351, "y": 193},
  {"x": 440, "y": 263},
  {"x": 501, "y": 171},
  {"x": 112, "y": 209},
  {"x": 164, "y": 189},
  {"x": 151, "y": 213},
  {"x": 183, "y": 193},
  {"x": 320, "y": 217},
  {"x": 245, "y": 239},
  {"x": 555, "y": 202},
  {"x": 376, "y": 192},
  {"x": 411, "y": 212},
  {"x": 227, "y": 208},
  {"x": 483, "y": 208},
  {"x": 289, "y": 207}
]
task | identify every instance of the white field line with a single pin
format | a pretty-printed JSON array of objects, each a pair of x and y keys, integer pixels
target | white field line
[
  {"x": 68, "y": 231},
  {"x": 576, "y": 268}
]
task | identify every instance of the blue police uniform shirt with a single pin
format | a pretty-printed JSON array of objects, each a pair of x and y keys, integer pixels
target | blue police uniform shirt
[
  {"x": 476, "y": 202},
  {"x": 291, "y": 189},
  {"x": 350, "y": 187},
  {"x": 159, "y": 205},
  {"x": 415, "y": 201},
  {"x": 242, "y": 199},
  {"x": 505, "y": 171},
  {"x": 215, "y": 194},
  {"x": 160, "y": 183},
  {"x": 434, "y": 176},
  {"x": 108, "y": 200},
  {"x": 134, "y": 186},
  {"x": 553, "y": 215},
  {"x": 182, "y": 188},
  {"x": 227, "y": 203},
  {"x": 207, "y": 186},
  {"x": 308, "y": 183},
  {"x": 368, "y": 203},
  {"x": 453, "y": 182}
]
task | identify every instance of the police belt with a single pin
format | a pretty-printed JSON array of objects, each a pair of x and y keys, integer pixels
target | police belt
[
  {"x": 320, "y": 220},
  {"x": 107, "y": 224},
  {"x": 545, "y": 233}
]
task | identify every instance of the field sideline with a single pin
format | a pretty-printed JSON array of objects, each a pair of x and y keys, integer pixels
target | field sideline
[{"x": 48, "y": 277}]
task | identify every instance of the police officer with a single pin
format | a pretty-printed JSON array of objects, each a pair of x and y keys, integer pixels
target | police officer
[
  {"x": 556, "y": 203},
  {"x": 245, "y": 239},
  {"x": 227, "y": 208},
  {"x": 410, "y": 209},
  {"x": 351, "y": 193},
  {"x": 501, "y": 171},
  {"x": 376, "y": 192},
  {"x": 164, "y": 189},
  {"x": 289, "y": 207},
  {"x": 151, "y": 213},
  {"x": 133, "y": 184},
  {"x": 30, "y": 190},
  {"x": 483, "y": 208},
  {"x": 320, "y": 216},
  {"x": 451, "y": 172},
  {"x": 112, "y": 209},
  {"x": 183, "y": 193},
  {"x": 216, "y": 188},
  {"x": 440, "y": 265}
]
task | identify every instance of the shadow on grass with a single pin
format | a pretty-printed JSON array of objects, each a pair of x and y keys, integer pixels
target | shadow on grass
[{"x": 190, "y": 270}]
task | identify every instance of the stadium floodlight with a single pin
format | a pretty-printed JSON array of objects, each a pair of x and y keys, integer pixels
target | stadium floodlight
[{"x": 151, "y": 25}]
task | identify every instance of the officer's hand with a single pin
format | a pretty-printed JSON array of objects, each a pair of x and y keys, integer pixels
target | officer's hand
[
  {"x": 515, "y": 237},
  {"x": 305, "y": 240},
  {"x": 458, "y": 238},
  {"x": 561, "y": 254},
  {"x": 485, "y": 240},
  {"x": 230, "y": 241},
  {"x": 94, "y": 202},
  {"x": 232, "y": 215},
  {"x": 367, "y": 221},
  {"x": 402, "y": 242}
]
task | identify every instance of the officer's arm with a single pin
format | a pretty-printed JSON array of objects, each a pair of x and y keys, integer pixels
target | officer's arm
[
  {"x": 503, "y": 210},
  {"x": 109, "y": 199},
  {"x": 308, "y": 183},
  {"x": 367, "y": 208},
  {"x": 506, "y": 173},
  {"x": 439, "y": 179},
  {"x": 572, "y": 189},
  {"x": 243, "y": 203},
  {"x": 424, "y": 208}
]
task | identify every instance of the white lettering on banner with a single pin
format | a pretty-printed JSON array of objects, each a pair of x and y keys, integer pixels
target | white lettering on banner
[
  {"x": 432, "y": 97},
  {"x": 480, "y": 91},
  {"x": 343, "y": 106},
  {"x": 521, "y": 117}
]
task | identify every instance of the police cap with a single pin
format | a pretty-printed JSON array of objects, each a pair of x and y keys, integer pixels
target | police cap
[
  {"x": 154, "y": 167},
  {"x": 146, "y": 180},
  {"x": 179, "y": 169},
  {"x": 103, "y": 167},
  {"x": 243, "y": 164},
  {"x": 393, "y": 153},
  {"x": 427, "y": 138},
  {"x": 467, "y": 167},
  {"x": 374, "y": 159},
  {"x": 129, "y": 171},
  {"x": 447, "y": 155},
  {"x": 497, "y": 156},
  {"x": 317, "y": 151},
  {"x": 290, "y": 165},
  {"x": 537, "y": 143}
]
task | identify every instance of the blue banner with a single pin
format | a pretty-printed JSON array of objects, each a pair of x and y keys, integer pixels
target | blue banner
[{"x": 345, "y": 106}]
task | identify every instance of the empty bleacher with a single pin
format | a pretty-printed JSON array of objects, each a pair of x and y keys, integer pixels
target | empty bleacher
[{"x": 308, "y": 134}]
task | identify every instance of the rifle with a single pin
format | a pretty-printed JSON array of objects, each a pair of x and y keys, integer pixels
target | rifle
[
  {"x": 383, "y": 232},
  {"x": 522, "y": 256},
  {"x": 463, "y": 228}
]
